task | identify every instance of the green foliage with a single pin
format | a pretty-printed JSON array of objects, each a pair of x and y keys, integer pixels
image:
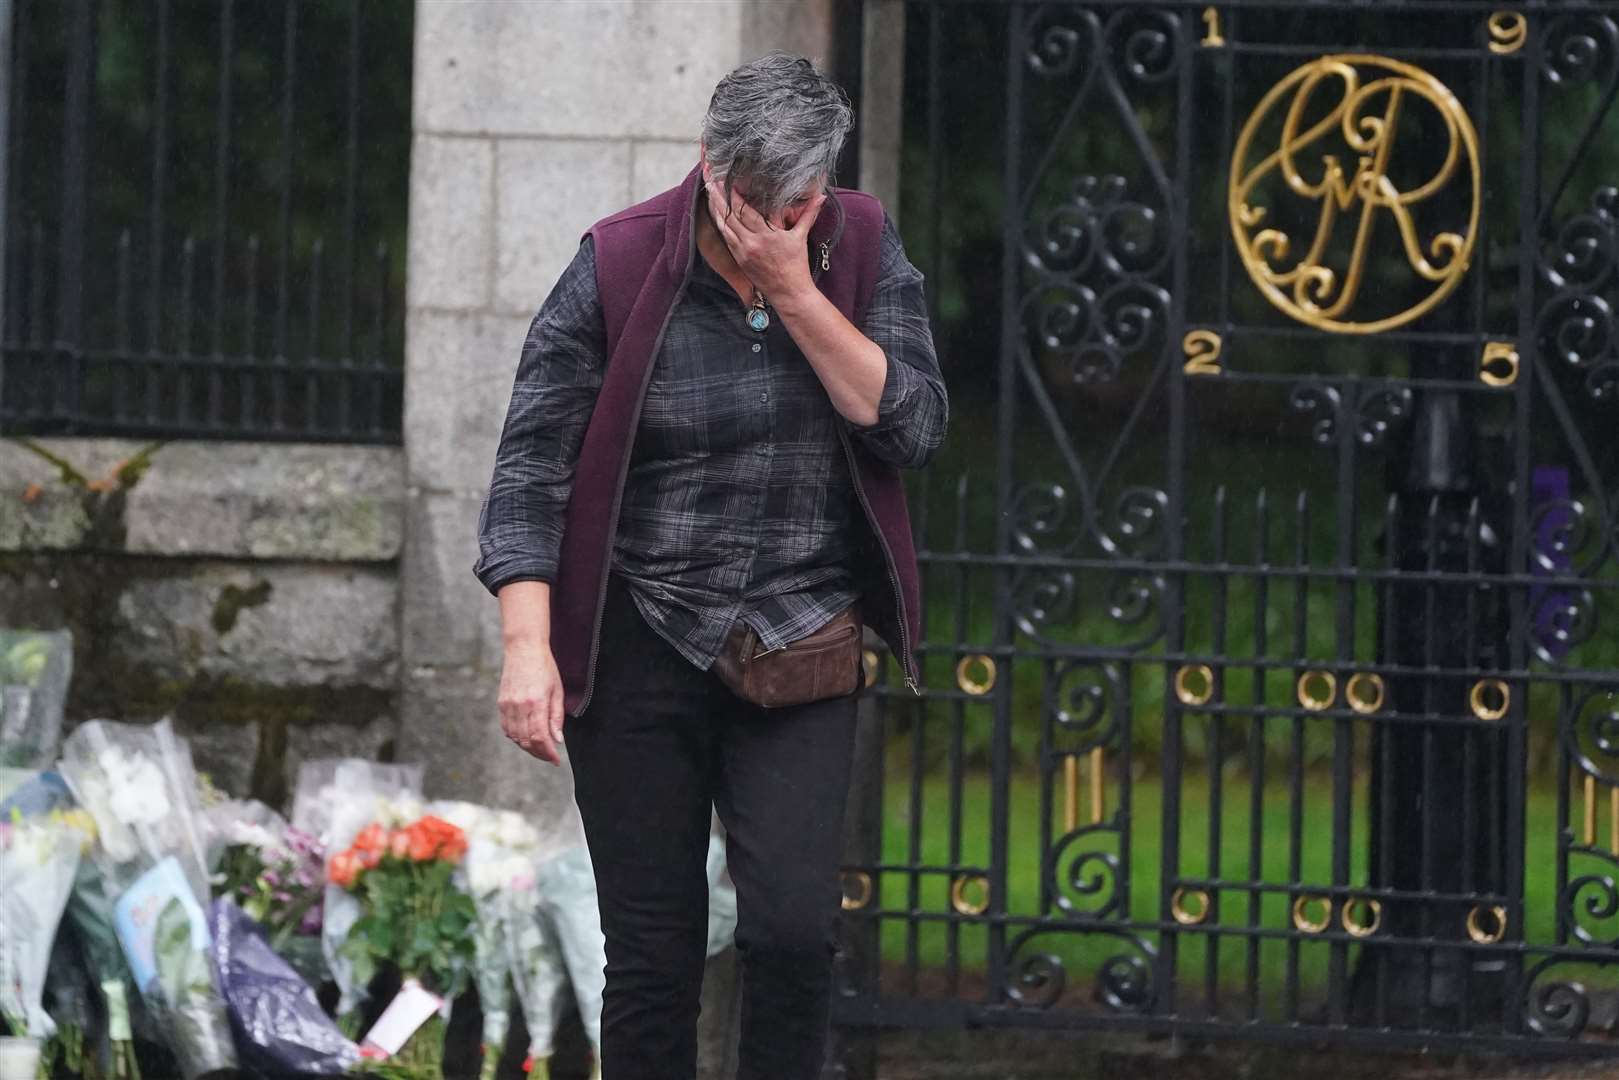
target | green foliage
[{"x": 415, "y": 920}]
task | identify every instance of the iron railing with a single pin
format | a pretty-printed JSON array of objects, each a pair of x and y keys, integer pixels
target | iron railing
[
  {"x": 204, "y": 222},
  {"x": 1271, "y": 683}
]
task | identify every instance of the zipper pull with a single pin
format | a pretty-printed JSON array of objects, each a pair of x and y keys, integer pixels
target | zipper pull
[
  {"x": 911, "y": 682},
  {"x": 826, "y": 257}
]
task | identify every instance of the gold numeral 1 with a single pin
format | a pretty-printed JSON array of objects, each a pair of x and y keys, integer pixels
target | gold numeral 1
[
  {"x": 1202, "y": 349},
  {"x": 1213, "y": 39}
]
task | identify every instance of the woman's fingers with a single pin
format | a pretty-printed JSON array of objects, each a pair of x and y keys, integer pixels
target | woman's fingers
[
  {"x": 806, "y": 220},
  {"x": 722, "y": 219},
  {"x": 749, "y": 218},
  {"x": 556, "y": 716},
  {"x": 531, "y": 706}
]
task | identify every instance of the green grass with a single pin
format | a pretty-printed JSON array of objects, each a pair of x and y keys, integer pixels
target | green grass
[{"x": 1082, "y": 952}]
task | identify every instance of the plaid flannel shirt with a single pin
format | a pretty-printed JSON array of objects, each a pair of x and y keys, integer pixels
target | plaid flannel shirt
[{"x": 738, "y": 503}]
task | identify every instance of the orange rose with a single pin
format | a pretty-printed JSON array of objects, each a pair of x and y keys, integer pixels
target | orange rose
[
  {"x": 399, "y": 845},
  {"x": 438, "y": 827},
  {"x": 372, "y": 838},
  {"x": 343, "y": 869},
  {"x": 454, "y": 849},
  {"x": 424, "y": 844},
  {"x": 367, "y": 859}
]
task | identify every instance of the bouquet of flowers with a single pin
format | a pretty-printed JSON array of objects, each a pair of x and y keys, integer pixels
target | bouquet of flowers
[
  {"x": 555, "y": 941},
  {"x": 499, "y": 875},
  {"x": 335, "y": 799},
  {"x": 90, "y": 913},
  {"x": 39, "y": 858},
  {"x": 139, "y": 785},
  {"x": 413, "y": 919},
  {"x": 276, "y": 875}
]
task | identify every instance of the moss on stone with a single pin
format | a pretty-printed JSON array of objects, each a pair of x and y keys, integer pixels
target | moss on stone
[{"x": 231, "y": 602}]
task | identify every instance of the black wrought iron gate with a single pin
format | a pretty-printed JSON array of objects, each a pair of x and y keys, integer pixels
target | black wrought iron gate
[{"x": 1269, "y": 689}]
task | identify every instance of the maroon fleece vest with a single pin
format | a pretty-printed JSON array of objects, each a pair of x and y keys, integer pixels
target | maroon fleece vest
[{"x": 643, "y": 262}]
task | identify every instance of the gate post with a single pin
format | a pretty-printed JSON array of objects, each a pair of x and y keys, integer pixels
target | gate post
[{"x": 1437, "y": 827}]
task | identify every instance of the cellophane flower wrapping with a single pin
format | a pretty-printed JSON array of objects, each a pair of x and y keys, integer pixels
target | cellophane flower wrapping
[
  {"x": 498, "y": 873},
  {"x": 280, "y": 1027},
  {"x": 277, "y": 875},
  {"x": 39, "y": 860},
  {"x": 333, "y": 800},
  {"x": 555, "y": 942},
  {"x": 90, "y": 913},
  {"x": 139, "y": 785},
  {"x": 35, "y": 668}
]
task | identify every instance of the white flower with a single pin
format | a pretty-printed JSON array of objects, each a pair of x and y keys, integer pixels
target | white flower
[
  {"x": 136, "y": 793},
  {"x": 514, "y": 831},
  {"x": 400, "y": 810},
  {"x": 467, "y": 817},
  {"x": 483, "y": 877},
  {"x": 116, "y": 837},
  {"x": 251, "y": 835}
]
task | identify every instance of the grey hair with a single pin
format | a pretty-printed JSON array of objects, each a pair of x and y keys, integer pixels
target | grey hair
[{"x": 778, "y": 124}]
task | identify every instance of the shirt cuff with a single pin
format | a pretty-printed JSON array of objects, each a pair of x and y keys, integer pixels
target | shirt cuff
[
  {"x": 498, "y": 576},
  {"x": 898, "y": 384}
]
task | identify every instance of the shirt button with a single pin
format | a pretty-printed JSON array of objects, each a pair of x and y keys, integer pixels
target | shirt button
[
  {"x": 763, "y": 451},
  {"x": 757, "y": 347},
  {"x": 764, "y": 397}
]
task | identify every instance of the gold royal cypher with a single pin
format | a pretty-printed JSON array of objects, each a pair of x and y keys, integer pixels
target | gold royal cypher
[{"x": 1351, "y": 101}]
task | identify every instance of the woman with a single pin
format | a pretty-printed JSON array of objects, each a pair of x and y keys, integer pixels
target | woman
[{"x": 695, "y": 503}]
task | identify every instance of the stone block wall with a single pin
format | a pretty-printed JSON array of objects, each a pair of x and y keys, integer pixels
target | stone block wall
[
  {"x": 249, "y": 591},
  {"x": 531, "y": 123}
]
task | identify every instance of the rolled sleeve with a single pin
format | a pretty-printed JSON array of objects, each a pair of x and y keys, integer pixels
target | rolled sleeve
[
  {"x": 558, "y": 377},
  {"x": 913, "y": 411}
]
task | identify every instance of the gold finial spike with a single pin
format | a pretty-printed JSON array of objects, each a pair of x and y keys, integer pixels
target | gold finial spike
[
  {"x": 1590, "y": 811},
  {"x": 1613, "y": 820},
  {"x": 1098, "y": 779},
  {"x": 1070, "y": 800}
]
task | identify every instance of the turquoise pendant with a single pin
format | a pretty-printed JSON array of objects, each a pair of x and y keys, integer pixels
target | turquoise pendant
[{"x": 759, "y": 319}]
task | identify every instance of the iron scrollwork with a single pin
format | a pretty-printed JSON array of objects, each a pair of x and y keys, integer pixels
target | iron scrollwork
[
  {"x": 1124, "y": 981},
  {"x": 1084, "y": 881},
  {"x": 1590, "y": 729},
  {"x": 1577, "y": 325}
]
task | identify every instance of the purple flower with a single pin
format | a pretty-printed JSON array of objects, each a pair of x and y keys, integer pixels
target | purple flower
[
  {"x": 311, "y": 921},
  {"x": 271, "y": 878}
]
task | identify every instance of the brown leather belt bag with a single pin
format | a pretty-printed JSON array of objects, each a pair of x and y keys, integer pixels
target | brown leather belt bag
[{"x": 825, "y": 664}]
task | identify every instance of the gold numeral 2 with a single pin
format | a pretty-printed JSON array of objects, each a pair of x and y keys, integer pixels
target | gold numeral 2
[{"x": 1202, "y": 349}]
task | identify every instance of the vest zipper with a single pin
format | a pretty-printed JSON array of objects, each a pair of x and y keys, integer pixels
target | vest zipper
[{"x": 907, "y": 662}]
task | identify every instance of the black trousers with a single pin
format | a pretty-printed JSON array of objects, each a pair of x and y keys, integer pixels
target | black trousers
[{"x": 660, "y": 743}]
